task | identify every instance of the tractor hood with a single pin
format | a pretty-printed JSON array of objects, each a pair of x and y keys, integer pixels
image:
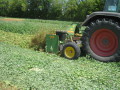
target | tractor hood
[{"x": 71, "y": 29}]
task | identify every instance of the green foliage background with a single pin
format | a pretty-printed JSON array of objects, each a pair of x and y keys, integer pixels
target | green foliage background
[{"x": 50, "y": 9}]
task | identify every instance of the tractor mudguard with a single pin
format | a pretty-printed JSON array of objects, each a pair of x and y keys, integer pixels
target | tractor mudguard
[{"x": 100, "y": 14}]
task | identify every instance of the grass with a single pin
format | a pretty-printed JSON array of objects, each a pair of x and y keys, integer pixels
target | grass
[
  {"x": 30, "y": 26},
  {"x": 26, "y": 69},
  {"x": 30, "y": 70},
  {"x": 16, "y": 39}
]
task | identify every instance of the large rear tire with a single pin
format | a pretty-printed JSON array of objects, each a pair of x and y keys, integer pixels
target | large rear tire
[{"x": 101, "y": 40}]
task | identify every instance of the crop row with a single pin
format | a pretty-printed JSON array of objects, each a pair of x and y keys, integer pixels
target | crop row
[{"x": 29, "y": 26}]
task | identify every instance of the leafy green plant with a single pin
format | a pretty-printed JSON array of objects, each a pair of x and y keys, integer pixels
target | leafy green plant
[
  {"x": 32, "y": 70},
  {"x": 31, "y": 26},
  {"x": 21, "y": 40},
  {"x": 38, "y": 41}
]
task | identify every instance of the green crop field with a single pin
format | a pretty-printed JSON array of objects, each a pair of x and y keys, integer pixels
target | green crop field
[
  {"x": 29, "y": 26},
  {"x": 22, "y": 68}
]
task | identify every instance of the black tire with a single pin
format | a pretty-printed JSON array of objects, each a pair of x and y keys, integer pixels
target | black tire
[
  {"x": 99, "y": 49},
  {"x": 73, "y": 46}
]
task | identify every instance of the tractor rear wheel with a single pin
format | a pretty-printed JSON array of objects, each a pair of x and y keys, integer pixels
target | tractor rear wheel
[
  {"x": 101, "y": 40},
  {"x": 71, "y": 51}
]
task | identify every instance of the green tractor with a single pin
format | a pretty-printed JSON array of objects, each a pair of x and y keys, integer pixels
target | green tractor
[{"x": 98, "y": 36}]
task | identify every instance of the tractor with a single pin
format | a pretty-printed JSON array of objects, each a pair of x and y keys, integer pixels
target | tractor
[{"x": 98, "y": 36}]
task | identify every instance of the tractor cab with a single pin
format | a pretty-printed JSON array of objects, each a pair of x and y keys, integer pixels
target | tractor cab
[{"x": 112, "y": 6}]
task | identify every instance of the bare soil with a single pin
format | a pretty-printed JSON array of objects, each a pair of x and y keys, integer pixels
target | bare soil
[
  {"x": 3, "y": 86},
  {"x": 11, "y": 19}
]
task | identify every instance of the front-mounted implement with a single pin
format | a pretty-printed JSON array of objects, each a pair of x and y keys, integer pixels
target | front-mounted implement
[{"x": 67, "y": 43}]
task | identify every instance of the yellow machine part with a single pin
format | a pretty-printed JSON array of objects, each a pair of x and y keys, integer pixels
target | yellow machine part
[{"x": 69, "y": 52}]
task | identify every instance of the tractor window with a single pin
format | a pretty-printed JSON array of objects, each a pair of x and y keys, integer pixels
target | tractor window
[
  {"x": 118, "y": 7},
  {"x": 111, "y": 5}
]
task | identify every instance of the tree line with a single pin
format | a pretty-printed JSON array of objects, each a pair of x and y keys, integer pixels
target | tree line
[{"x": 50, "y": 9}]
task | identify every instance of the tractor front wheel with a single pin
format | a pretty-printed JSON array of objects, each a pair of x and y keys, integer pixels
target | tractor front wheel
[
  {"x": 101, "y": 40},
  {"x": 71, "y": 51}
]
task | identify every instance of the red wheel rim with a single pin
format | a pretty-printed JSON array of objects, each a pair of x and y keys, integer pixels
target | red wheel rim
[{"x": 104, "y": 42}]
